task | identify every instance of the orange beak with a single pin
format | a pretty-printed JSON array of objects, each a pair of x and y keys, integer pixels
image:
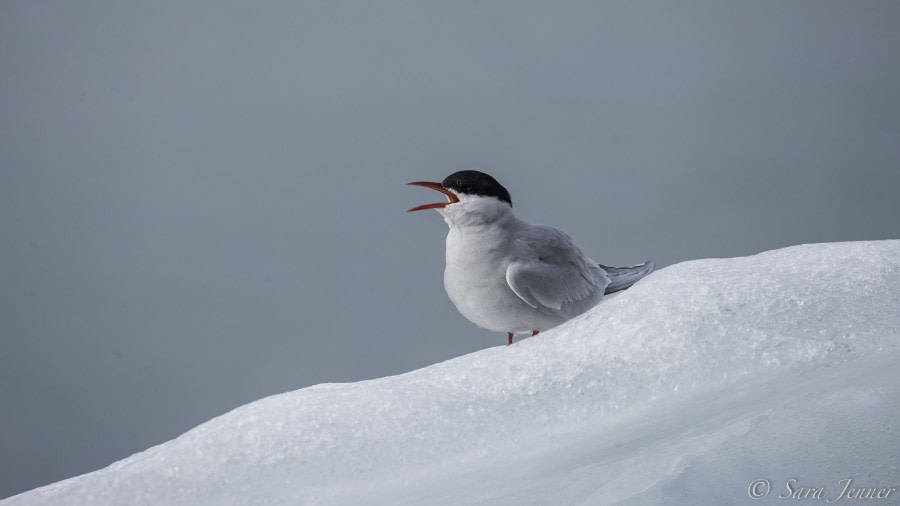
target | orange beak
[{"x": 451, "y": 197}]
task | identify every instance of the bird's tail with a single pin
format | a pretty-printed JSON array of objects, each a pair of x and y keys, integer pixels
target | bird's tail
[{"x": 621, "y": 278}]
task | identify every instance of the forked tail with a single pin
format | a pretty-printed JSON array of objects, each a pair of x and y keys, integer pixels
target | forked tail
[{"x": 621, "y": 278}]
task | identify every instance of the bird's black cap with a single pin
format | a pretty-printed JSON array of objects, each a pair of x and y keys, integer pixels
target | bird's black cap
[{"x": 473, "y": 182}]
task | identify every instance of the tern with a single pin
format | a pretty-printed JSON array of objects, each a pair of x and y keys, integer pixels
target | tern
[{"x": 507, "y": 275}]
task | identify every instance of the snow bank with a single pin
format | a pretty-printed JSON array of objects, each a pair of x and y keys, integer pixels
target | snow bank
[{"x": 701, "y": 378}]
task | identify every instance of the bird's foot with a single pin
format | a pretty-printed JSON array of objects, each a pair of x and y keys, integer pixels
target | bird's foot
[{"x": 509, "y": 336}]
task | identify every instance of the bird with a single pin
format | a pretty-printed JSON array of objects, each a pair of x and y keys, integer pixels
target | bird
[{"x": 505, "y": 274}]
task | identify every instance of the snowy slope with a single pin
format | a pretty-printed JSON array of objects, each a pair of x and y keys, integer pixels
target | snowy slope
[{"x": 682, "y": 390}]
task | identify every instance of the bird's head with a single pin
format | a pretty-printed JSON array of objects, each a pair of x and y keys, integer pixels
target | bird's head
[{"x": 470, "y": 195}]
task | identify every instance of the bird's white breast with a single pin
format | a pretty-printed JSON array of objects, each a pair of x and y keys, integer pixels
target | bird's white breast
[{"x": 475, "y": 278}]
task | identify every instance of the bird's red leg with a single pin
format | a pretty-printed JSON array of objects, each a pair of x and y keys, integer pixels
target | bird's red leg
[
  {"x": 509, "y": 338},
  {"x": 534, "y": 332}
]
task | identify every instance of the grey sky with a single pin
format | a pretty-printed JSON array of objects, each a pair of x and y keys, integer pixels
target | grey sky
[{"x": 201, "y": 203}]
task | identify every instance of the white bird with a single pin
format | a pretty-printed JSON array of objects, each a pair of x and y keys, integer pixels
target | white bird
[{"x": 507, "y": 275}]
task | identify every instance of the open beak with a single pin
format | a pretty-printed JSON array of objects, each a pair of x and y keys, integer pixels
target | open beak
[{"x": 451, "y": 197}]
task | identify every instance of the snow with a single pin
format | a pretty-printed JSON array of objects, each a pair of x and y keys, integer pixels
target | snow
[{"x": 683, "y": 389}]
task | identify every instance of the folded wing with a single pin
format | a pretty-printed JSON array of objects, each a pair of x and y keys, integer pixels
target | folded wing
[
  {"x": 556, "y": 278},
  {"x": 621, "y": 278}
]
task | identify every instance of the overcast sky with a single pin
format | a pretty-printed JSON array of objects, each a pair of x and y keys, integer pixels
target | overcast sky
[{"x": 202, "y": 203}]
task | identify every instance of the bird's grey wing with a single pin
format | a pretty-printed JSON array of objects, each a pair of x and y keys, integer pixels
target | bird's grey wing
[
  {"x": 557, "y": 279},
  {"x": 621, "y": 278}
]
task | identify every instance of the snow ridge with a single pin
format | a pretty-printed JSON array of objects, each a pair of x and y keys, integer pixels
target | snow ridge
[{"x": 637, "y": 401}]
